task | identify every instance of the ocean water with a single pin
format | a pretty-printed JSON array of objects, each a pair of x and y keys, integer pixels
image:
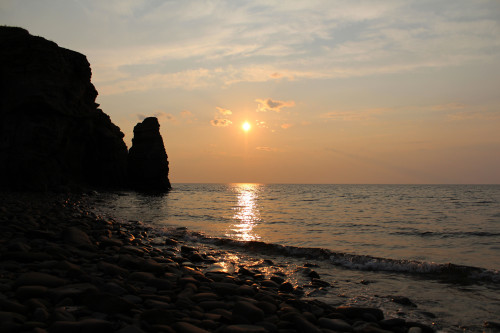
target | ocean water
[{"x": 438, "y": 245}]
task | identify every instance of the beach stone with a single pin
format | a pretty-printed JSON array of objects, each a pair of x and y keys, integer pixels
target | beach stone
[
  {"x": 305, "y": 326},
  {"x": 364, "y": 327},
  {"x": 160, "y": 284},
  {"x": 210, "y": 305},
  {"x": 6, "y": 316},
  {"x": 423, "y": 327},
  {"x": 41, "y": 314},
  {"x": 107, "y": 303},
  {"x": 158, "y": 317},
  {"x": 72, "y": 291},
  {"x": 335, "y": 324},
  {"x": 204, "y": 297},
  {"x": 246, "y": 290},
  {"x": 267, "y": 307},
  {"x": 26, "y": 292},
  {"x": 111, "y": 269},
  {"x": 130, "y": 329},
  {"x": 225, "y": 288},
  {"x": 12, "y": 306},
  {"x": 248, "y": 311},
  {"x": 313, "y": 275},
  {"x": 402, "y": 300},
  {"x": 183, "y": 327},
  {"x": 286, "y": 287},
  {"x": 392, "y": 322},
  {"x": 414, "y": 329},
  {"x": 491, "y": 324},
  {"x": 244, "y": 329},
  {"x": 269, "y": 284},
  {"x": 39, "y": 279},
  {"x": 357, "y": 312},
  {"x": 61, "y": 314},
  {"x": 76, "y": 237},
  {"x": 90, "y": 325}
]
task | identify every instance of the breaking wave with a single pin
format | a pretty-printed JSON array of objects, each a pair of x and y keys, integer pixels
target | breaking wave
[{"x": 448, "y": 271}]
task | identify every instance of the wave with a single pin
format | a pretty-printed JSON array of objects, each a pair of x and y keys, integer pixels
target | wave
[
  {"x": 448, "y": 234},
  {"x": 450, "y": 272}
]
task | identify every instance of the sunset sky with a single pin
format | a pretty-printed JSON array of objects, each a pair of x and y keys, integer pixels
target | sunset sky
[{"x": 334, "y": 91}]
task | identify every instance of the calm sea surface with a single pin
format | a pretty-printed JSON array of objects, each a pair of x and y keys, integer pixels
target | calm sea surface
[{"x": 386, "y": 230}]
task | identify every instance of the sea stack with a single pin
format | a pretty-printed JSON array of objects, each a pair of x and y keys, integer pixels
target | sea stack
[
  {"x": 147, "y": 158},
  {"x": 53, "y": 136}
]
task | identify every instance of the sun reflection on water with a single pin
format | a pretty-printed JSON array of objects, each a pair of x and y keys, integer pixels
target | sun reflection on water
[{"x": 246, "y": 213}]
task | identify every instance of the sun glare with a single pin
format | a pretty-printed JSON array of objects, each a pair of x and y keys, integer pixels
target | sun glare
[{"x": 246, "y": 126}]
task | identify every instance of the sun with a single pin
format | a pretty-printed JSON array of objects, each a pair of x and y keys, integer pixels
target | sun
[{"x": 246, "y": 126}]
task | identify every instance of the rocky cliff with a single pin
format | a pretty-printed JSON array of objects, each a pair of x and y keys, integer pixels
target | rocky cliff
[
  {"x": 52, "y": 133},
  {"x": 147, "y": 158}
]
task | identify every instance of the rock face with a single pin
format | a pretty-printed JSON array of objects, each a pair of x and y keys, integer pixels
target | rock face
[
  {"x": 52, "y": 133},
  {"x": 147, "y": 159}
]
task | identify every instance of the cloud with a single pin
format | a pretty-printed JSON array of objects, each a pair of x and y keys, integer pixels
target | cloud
[
  {"x": 269, "y": 149},
  {"x": 355, "y": 115},
  {"x": 219, "y": 119},
  {"x": 286, "y": 126},
  {"x": 272, "y": 105},
  {"x": 224, "y": 112},
  {"x": 447, "y": 107},
  {"x": 220, "y": 122},
  {"x": 162, "y": 116},
  {"x": 186, "y": 114}
]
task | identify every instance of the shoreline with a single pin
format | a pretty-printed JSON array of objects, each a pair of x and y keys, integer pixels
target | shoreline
[{"x": 65, "y": 269}]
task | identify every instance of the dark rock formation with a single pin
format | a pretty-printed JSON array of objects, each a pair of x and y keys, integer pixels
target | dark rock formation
[
  {"x": 52, "y": 134},
  {"x": 147, "y": 159}
]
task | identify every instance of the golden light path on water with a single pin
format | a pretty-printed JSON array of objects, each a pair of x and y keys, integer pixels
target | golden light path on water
[{"x": 246, "y": 213}]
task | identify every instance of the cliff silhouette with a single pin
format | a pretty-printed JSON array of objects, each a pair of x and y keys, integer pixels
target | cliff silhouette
[{"x": 53, "y": 136}]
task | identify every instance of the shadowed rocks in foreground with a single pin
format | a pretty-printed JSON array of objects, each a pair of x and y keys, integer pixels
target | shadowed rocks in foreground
[{"x": 147, "y": 159}]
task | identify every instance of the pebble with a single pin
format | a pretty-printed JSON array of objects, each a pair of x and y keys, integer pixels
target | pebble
[{"x": 80, "y": 273}]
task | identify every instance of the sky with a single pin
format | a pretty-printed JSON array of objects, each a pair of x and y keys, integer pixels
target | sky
[{"x": 335, "y": 91}]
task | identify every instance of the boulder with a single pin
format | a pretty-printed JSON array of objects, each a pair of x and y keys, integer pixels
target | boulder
[
  {"x": 147, "y": 158},
  {"x": 52, "y": 133}
]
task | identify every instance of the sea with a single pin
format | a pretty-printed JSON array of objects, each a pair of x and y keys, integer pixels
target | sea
[{"x": 424, "y": 253}]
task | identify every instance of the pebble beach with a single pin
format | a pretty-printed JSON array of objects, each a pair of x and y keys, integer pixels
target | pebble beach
[{"x": 65, "y": 269}]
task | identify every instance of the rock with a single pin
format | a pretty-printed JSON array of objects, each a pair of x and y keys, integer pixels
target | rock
[
  {"x": 107, "y": 303},
  {"x": 414, "y": 329},
  {"x": 335, "y": 324},
  {"x": 244, "y": 329},
  {"x": 53, "y": 133},
  {"x": 183, "y": 327},
  {"x": 305, "y": 326},
  {"x": 248, "y": 311},
  {"x": 130, "y": 329},
  {"x": 158, "y": 317},
  {"x": 147, "y": 158},
  {"x": 83, "y": 326},
  {"x": 402, "y": 300},
  {"x": 286, "y": 287},
  {"x": 357, "y": 312},
  {"x": 76, "y": 237},
  {"x": 27, "y": 292}
]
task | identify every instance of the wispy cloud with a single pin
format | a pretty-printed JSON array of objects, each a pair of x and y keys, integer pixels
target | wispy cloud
[
  {"x": 220, "y": 119},
  {"x": 220, "y": 122},
  {"x": 272, "y": 105},
  {"x": 286, "y": 126},
  {"x": 355, "y": 115},
  {"x": 224, "y": 112},
  {"x": 265, "y": 148}
]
